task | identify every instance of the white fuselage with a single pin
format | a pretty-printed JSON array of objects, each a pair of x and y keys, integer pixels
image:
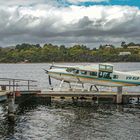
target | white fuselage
[{"x": 124, "y": 78}]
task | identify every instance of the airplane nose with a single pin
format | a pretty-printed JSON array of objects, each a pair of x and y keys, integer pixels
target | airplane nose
[
  {"x": 46, "y": 71},
  {"x": 49, "y": 78}
]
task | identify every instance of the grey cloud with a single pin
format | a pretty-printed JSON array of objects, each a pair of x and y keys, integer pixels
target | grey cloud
[{"x": 18, "y": 26}]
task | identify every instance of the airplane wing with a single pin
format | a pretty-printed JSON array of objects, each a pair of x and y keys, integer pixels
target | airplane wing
[
  {"x": 78, "y": 67},
  {"x": 64, "y": 66},
  {"x": 88, "y": 67}
]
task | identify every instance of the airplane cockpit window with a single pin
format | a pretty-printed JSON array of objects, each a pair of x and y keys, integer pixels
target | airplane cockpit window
[
  {"x": 102, "y": 67},
  {"x": 108, "y": 68}
]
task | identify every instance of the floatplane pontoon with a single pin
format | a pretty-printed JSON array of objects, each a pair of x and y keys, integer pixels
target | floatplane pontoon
[{"x": 95, "y": 75}]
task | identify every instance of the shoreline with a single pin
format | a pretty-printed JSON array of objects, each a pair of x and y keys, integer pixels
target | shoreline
[{"x": 65, "y": 62}]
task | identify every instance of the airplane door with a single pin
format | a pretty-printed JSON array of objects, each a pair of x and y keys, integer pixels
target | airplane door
[{"x": 105, "y": 71}]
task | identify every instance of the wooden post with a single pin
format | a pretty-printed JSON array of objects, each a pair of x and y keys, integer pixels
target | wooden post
[
  {"x": 11, "y": 106},
  {"x": 138, "y": 100},
  {"x": 119, "y": 95},
  {"x": 28, "y": 85},
  {"x": 16, "y": 86},
  {"x": 125, "y": 99}
]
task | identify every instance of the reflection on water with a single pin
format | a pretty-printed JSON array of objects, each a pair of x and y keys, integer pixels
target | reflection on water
[
  {"x": 6, "y": 128},
  {"x": 68, "y": 121}
]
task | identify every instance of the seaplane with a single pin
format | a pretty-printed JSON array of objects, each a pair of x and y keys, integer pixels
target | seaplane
[{"x": 102, "y": 74}]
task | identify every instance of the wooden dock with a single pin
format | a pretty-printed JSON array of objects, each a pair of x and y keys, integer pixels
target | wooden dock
[
  {"x": 87, "y": 95},
  {"x": 13, "y": 85},
  {"x": 90, "y": 95}
]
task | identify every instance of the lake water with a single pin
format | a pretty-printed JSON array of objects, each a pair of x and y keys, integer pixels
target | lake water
[{"x": 67, "y": 120}]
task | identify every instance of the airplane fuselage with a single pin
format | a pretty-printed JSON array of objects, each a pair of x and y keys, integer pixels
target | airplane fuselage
[{"x": 102, "y": 78}]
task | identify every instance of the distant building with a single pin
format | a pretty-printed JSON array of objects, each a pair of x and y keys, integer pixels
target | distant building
[
  {"x": 26, "y": 61},
  {"x": 108, "y": 46},
  {"x": 133, "y": 47},
  {"x": 125, "y": 53}
]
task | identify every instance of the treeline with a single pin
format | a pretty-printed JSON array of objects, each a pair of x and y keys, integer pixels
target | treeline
[
  {"x": 77, "y": 53},
  {"x": 131, "y": 44}
]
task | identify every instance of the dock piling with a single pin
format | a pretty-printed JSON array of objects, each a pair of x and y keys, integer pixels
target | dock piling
[
  {"x": 11, "y": 106},
  {"x": 119, "y": 95},
  {"x": 28, "y": 85},
  {"x": 138, "y": 100}
]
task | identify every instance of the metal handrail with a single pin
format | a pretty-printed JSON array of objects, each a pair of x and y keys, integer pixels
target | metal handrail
[
  {"x": 14, "y": 83},
  {"x": 11, "y": 79}
]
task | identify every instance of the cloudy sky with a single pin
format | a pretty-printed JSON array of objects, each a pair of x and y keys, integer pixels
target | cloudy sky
[{"x": 68, "y": 22}]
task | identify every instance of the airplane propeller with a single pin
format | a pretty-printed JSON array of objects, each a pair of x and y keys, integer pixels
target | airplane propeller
[
  {"x": 50, "y": 82},
  {"x": 49, "y": 77}
]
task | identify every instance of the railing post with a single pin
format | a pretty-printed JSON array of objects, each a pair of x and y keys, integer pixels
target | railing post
[
  {"x": 28, "y": 85},
  {"x": 9, "y": 85},
  {"x": 13, "y": 85},
  {"x": 16, "y": 86}
]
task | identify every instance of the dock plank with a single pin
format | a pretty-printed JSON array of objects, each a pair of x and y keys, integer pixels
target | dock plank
[{"x": 86, "y": 93}]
